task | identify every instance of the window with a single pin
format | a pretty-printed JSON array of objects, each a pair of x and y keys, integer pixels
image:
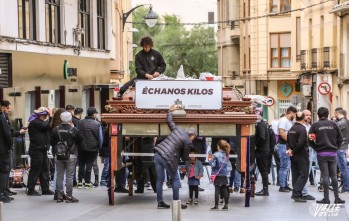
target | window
[
  {"x": 313, "y": 58},
  {"x": 280, "y": 5},
  {"x": 53, "y": 26},
  {"x": 100, "y": 24},
  {"x": 326, "y": 57},
  {"x": 280, "y": 50},
  {"x": 84, "y": 15},
  {"x": 27, "y": 19}
]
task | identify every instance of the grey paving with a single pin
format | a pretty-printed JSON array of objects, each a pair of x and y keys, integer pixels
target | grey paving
[{"x": 93, "y": 205}]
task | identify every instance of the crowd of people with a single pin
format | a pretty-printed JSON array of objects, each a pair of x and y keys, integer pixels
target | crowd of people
[{"x": 301, "y": 145}]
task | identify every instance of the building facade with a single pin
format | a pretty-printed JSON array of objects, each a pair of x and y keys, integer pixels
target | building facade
[
  {"x": 292, "y": 51},
  {"x": 44, "y": 41}
]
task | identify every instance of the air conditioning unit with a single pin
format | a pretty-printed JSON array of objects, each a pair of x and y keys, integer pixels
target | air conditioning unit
[{"x": 306, "y": 90}]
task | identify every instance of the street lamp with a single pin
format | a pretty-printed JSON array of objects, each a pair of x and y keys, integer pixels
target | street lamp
[{"x": 151, "y": 18}]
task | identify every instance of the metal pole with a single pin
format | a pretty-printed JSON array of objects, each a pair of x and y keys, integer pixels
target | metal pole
[
  {"x": 1, "y": 211},
  {"x": 176, "y": 210}
]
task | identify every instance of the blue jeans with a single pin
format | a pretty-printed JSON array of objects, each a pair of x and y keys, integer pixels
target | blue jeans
[
  {"x": 105, "y": 171},
  {"x": 285, "y": 164},
  {"x": 161, "y": 166},
  {"x": 342, "y": 165}
]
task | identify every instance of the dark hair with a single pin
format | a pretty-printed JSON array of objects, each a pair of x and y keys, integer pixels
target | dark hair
[
  {"x": 147, "y": 41},
  {"x": 56, "y": 119},
  {"x": 78, "y": 110},
  {"x": 224, "y": 145},
  {"x": 340, "y": 110},
  {"x": 5, "y": 103},
  {"x": 291, "y": 109},
  {"x": 282, "y": 115},
  {"x": 300, "y": 116},
  {"x": 69, "y": 107},
  {"x": 192, "y": 150},
  {"x": 322, "y": 112}
]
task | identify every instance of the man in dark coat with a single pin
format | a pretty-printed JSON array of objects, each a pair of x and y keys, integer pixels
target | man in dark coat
[
  {"x": 167, "y": 156},
  {"x": 149, "y": 64},
  {"x": 5, "y": 146},
  {"x": 263, "y": 152},
  {"x": 39, "y": 129}
]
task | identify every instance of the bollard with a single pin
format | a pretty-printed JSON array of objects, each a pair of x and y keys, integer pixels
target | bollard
[
  {"x": 176, "y": 210},
  {"x": 1, "y": 211}
]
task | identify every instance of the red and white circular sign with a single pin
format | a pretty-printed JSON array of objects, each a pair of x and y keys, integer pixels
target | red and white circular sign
[
  {"x": 269, "y": 101},
  {"x": 324, "y": 88}
]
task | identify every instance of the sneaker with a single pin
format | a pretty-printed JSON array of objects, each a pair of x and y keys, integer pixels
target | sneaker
[
  {"x": 96, "y": 184},
  {"x": 288, "y": 188},
  {"x": 236, "y": 189},
  {"x": 344, "y": 191},
  {"x": 33, "y": 193},
  {"x": 190, "y": 201},
  {"x": 120, "y": 189},
  {"x": 184, "y": 206},
  {"x": 139, "y": 191},
  {"x": 220, "y": 202},
  {"x": 323, "y": 201},
  {"x": 195, "y": 201},
  {"x": 242, "y": 190},
  {"x": 164, "y": 186},
  {"x": 59, "y": 198},
  {"x": 231, "y": 190},
  {"x": 4, "y": 199},
  {"x": 284, "y": 190},
  {"x": 308, "y": 197},
  {"x": 163, "y": 205},
  {"x": 201, "y": 189},
  {"x": 225, "y": 208},
  {"x": 47, "y": 192},
  {"x": 215, "y": 208},
  {"x": 300, "y": 200},
  {"x": 79, "y": 185},
  {"x": 10, "y": 193},
  {"x": 103, "y": 183},
  {"x": 339, "y": 201},
  {"x": 88, "y": 185},
  {"x": 71, "y": 199}
]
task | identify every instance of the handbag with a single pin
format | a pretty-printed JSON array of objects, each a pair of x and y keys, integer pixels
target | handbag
[{"x": 213, "y": 176}]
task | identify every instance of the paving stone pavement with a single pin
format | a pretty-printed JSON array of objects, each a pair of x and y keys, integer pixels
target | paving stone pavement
[{"x": 94, "y": 206}]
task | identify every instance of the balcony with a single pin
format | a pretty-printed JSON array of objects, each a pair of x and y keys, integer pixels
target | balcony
[
  {"x": 341, "y": 7},
  {"x": 318, "y": 59}
]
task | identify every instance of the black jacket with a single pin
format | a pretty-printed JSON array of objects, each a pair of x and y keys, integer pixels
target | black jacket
[
  {"x": 69, "y": 134},
  {"x": 343, "y": 124},
  {"x": 297, "y": 140},
  {"x": 89, "y": 130},
  {"x": 39, "y": 131},
  {"x": 328, "y": 136},
  {"x": 149, "y": 63},
  {"x": 177, "y": 144},
  {"x": 76, "y": 121},
  {"x": 5, "y": 136},
  {"x": 262, "y": 137}
]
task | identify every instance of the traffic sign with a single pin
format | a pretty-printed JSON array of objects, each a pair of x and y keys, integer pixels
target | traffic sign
[
  {"x": 324, "y": 88},
  {"x": 269, "y": 101}
]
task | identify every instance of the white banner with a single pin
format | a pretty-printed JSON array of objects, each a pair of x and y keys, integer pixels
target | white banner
[{"x": 194, "y": 94}]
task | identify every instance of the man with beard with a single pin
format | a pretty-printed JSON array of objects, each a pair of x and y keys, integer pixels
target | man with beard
[{"x": 285, "y": 124}]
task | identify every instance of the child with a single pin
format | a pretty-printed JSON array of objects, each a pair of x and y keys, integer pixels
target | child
[
  {"x": 219, "y": 163},
  {"x": 195, "y": 171}
]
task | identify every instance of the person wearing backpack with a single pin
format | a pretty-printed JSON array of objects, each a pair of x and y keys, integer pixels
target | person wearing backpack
[{"x": 65, "y": 136}]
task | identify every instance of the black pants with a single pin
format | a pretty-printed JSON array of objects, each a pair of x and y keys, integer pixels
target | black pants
[
  {"x": 263, "y": 162},
  {"x": 127, "y": 85},
  {"x": 221, "y": 189},
  {"x": 120, "y": 180},
  {"x": 39, "y": 169},
  {"x": 86, "y": 160},
  {"x": 299, "y": 169},
  {"x": 4, "y": 170},
  {"x": 152, "y": 175},
  {"x": 193, "y": 189},
  {"x": 328, "y": 168}
]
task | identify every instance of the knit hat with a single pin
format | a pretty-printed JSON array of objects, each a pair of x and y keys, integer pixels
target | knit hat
[{"x": 66, "y": 117}]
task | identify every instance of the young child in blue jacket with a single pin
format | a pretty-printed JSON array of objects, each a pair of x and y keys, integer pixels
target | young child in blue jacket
[
  {"x": 195, "y": 171},
  {"x": 219, "y": 164}
]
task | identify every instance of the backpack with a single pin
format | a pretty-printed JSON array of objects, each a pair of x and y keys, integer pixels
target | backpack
[{"x": 62, "y": 148}]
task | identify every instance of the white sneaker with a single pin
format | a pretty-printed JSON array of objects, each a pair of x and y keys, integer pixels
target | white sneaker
[{"x": 164, "y": 186}]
